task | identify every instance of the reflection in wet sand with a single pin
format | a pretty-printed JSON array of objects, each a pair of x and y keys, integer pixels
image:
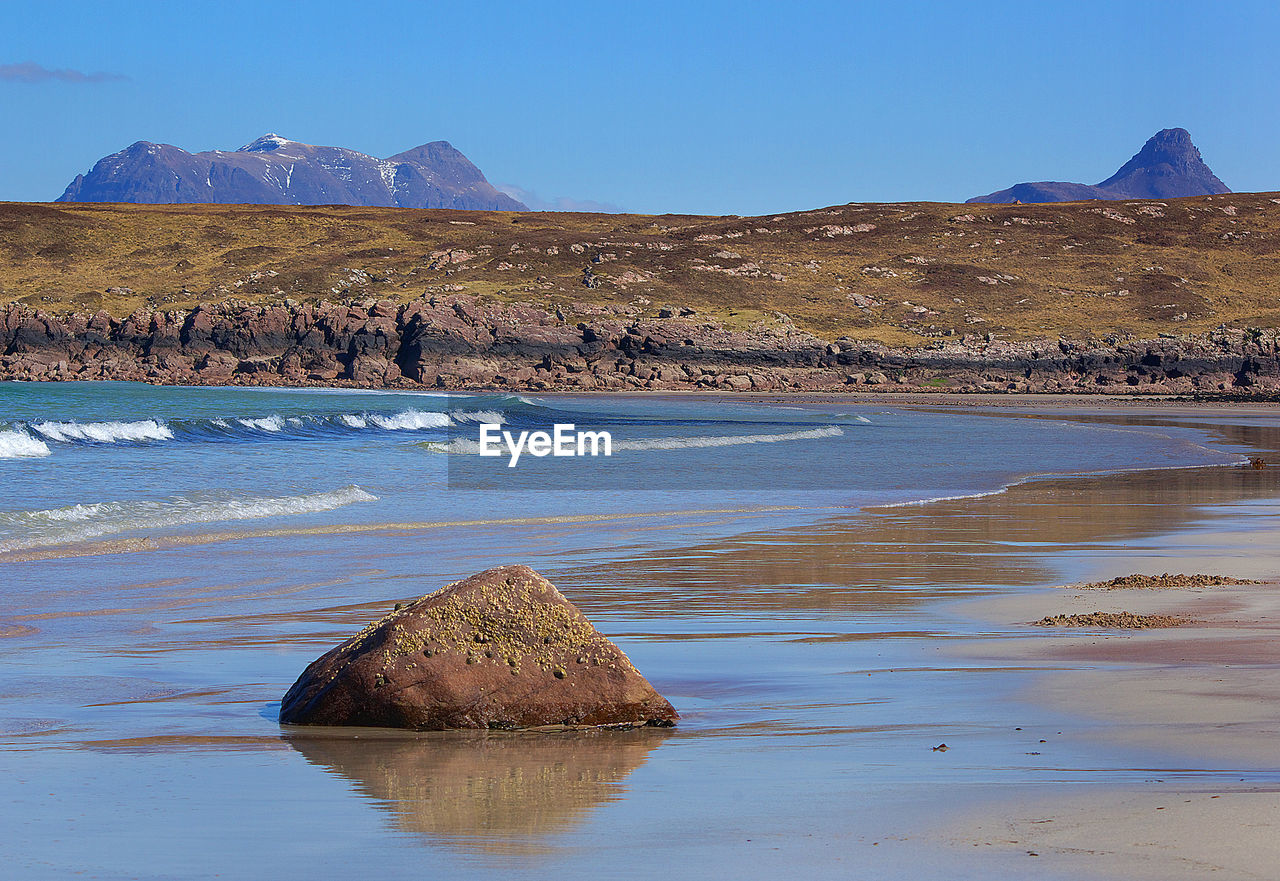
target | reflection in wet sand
[
  {"x": 149, "y": 543},
  {"x": 492, "y": 792},
  {"x": 895, "y": 557}
]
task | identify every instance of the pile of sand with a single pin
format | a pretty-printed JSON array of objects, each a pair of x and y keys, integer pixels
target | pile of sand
[
  {"x": 1124, "y": 620},
  {"x": 1163, "y": 582}
]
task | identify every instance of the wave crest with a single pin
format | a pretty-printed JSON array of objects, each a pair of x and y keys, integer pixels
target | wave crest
[
  {"x": 104, "y": 432},
  {"x": 265, "y": 423},
  {"x": 704, "y": 442},
  {"x": 492, "y": 417},
  {"x": 409, "y": 420},
  {"x": 468, "y": 447},
  {"x": 27, "y": 529},
  {"x": 20, "y": 445}
]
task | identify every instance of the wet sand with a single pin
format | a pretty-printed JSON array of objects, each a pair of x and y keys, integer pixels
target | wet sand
[
  {"x": 1200, "y": 704},
  {"x": 817, "y": 657},
  {"x": 1196, "y": 708}
]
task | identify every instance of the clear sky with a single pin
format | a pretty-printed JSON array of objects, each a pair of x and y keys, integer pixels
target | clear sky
[{"x": 742, "y": 108}]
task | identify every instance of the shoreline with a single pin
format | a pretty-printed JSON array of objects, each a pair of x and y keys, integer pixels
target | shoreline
[
  {"x": 990, "y": 400},
  {"x": 1022, "y": 406},
  {"x": 1193, "y": 704},
  {"x": 1083, "y": 810},
  {"x": 832, "y": 643}
]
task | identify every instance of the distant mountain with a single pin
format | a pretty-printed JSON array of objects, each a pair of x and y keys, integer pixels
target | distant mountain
[
  {"x": 276, "y": 171},
  {"x": 1168, "y": 166}
]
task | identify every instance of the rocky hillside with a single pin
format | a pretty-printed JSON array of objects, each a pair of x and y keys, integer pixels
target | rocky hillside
[
  {"x": 1168, "y": 166},
  {"x": 1172, "y": 295},
  {"x": 276, "y": 171}
]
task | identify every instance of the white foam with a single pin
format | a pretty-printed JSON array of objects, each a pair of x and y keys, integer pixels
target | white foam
[
  {"x": 958, "y": 497},
  {"x": 350, "y": 420},
  {"x": 467, "y": 446},
  {"x": 690, "y": 443},
  {"x": 410, "y": 420},
  {"x": 26, "y": 529},
  {"x": 266, "y": 423},
  {"x": 490, "y": 416},
  {"x": 20, "y": 445},
  {"x": 104, "y": 432},
  {"x": 65, "y": 515},
  {"x": 461, "y": 446}
]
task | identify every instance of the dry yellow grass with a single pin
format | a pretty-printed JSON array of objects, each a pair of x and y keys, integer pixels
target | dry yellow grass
[{"x": 899, "y": 273}]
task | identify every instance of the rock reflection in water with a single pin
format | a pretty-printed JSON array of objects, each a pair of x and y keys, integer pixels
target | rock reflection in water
[{"x": 495, "y": 792}]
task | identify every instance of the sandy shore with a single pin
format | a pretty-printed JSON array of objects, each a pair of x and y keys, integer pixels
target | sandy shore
[
  {"x": 1195, "y": 704},
  {"x": 819, "y": 656},
  {"x": 1137, "y": 403}
]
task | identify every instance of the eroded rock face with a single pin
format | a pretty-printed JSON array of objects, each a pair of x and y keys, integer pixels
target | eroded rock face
[
  {"x": 458, "y": 342},
  {"x": 501, "y": 649}
]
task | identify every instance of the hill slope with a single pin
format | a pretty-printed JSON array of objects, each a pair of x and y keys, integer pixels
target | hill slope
[
  {"x": 1177, "y": 296},
  {"x": 1168, "y": 166},
  {"x": 276, "y": 171},
  {"x": 893, "y": 272}
]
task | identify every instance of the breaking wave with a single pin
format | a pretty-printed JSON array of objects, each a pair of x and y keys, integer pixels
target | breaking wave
[
  {"x": 33, "y": 438},
  {"x": 491, "y": 417},
  {"x": 266, "y": 423},
  {"x": 104, "y": 432},
  {"x": 409, "y": 420},
  {"x": 691, "y": 443},
  {"x": 27, "y": 529},
  {"x": 467, "y": 446},
  {"x": 20, "y": 445}
]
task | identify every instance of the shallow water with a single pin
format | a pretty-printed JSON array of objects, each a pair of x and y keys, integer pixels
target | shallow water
[{"x": 173, "y": 558}]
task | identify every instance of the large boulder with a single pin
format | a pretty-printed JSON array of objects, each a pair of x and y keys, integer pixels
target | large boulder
[{"x": 501, "y": 649}]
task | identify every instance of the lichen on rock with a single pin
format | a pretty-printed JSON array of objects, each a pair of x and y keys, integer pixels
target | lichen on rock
[{"x": 501, "y": 649}]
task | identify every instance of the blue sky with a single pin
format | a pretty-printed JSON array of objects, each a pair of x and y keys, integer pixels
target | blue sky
[{"x": 743, "y": 108}]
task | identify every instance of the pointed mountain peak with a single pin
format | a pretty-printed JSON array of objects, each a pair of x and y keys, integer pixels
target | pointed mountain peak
[
  {"x": 1168, "y": 166},
  {"x": 1171, "y": 141},
  {"x": 1171, "y": 148}
]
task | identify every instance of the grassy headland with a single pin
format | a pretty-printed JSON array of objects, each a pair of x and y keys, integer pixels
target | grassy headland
[{"x": 900, "y": 274}]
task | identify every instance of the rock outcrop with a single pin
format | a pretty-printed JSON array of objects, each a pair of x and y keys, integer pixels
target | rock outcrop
[
  {"x": 457, "y": 342},
  {"x": 502, "y": 649},
  {"x": 1168, "y": 166}
]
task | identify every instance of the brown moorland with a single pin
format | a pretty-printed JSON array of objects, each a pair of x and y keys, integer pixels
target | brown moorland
[{"x": 900, "y": 274}]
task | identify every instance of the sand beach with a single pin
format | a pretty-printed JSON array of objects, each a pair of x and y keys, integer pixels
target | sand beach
[{"x": 822, "y": 644}]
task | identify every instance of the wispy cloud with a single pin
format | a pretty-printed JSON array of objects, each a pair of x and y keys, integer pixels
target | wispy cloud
[
  {"x": 30, "y": 72},
  {"x": 557, "y": 203}
]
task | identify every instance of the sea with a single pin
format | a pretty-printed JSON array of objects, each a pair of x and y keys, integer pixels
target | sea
[{"x": 785, "y": 570}]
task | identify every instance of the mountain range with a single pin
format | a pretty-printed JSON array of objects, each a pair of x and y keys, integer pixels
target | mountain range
[
  {"x": 273, "y": 170},
  {"x": 1167, "y": 167},
  {"x": 277, "y": 171}
]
